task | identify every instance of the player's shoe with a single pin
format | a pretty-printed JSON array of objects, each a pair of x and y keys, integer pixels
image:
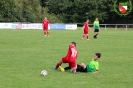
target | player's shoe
[
  {"x": 61, "y": 69},
  {"x": 95, "y": 38},
  {"x": 74, "y": 72},
  {"x": 54, "y": 68}
]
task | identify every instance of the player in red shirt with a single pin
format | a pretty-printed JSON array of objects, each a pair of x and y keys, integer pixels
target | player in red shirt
[
  {"x": 70, "y": 58},
  {"x": 86, "y": 30},
  {"x": 45, "y": 24}
]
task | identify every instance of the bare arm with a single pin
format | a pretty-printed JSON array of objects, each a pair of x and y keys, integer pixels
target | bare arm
[
  {"x": 95, "y": 72},
  {"x": 42, "y": 24}
]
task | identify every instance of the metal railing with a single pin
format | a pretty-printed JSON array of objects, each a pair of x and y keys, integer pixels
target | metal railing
[
  {"x": 126, "y": 26},
  {"x": 115, "y": 26}
]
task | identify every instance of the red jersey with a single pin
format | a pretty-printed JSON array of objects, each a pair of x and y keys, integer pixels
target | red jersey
[
  {"x": 70, "y": 52},
  {"x": 86, "y": 27},
  {"x": 45, "y": 23}
]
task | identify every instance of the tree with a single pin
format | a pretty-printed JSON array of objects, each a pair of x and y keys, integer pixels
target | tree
[
  {"x": 43, "y": 3},
  {"x": 31, "y": 11},
  {"x": 20, "y": 11},
  {"x": 67, "y": 11},
  {"x": 78, "y": 10},
  {"x": 9, "y": 11}
]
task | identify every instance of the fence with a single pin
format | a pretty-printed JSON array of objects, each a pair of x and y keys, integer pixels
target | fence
[
  {"x": 126, "y": 26},
  {"x": 115, "y": 26},
  {"x": 52, "y": 26},
  {"x": 61, "y": 26}
]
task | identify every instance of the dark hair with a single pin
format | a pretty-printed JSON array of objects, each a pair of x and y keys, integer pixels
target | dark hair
[
  {"x": 98, "y": 55},
  {"x": 74, "y": 43}
]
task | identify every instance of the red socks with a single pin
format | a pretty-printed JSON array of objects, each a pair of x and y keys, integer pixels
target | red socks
[
  {"x": 46, "y": 33},
  {"x": 58, "y": 64},
  {"x": 87, "y": 37},
  {"x": 82, "y": 36}
]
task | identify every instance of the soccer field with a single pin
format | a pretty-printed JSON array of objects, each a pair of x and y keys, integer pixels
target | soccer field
[{"x": 25, "y": 53}]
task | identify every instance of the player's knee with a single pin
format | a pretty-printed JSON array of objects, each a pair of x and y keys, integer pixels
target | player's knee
[
  {"x": 61, "y": 61},
  {"x": 82, "y": 64}
]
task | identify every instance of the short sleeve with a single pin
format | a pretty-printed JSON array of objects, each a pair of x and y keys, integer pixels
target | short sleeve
[{"x": 97, "y": 66}]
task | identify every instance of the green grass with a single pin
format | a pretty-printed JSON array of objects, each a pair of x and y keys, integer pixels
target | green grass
[{"x": 25, "y": 53}]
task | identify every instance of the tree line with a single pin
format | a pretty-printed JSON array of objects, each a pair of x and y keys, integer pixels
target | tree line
[{"x": 62, "y": 11}]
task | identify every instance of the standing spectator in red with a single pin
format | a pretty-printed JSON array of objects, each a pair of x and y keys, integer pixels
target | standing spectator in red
[
  {"x": 86, "y": 30},
  {"x": 45, "y": 24},
  {"x": 70, "y": 58}
]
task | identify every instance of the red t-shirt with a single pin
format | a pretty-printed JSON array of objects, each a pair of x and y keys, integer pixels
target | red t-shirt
[
  {"x": 70, "y": 52},
  {"x": 45, "y": 23},
  {"x": 86, "y": 27}
]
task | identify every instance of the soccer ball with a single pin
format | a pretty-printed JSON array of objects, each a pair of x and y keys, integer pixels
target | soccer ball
[{"x": 44, "y": 72}]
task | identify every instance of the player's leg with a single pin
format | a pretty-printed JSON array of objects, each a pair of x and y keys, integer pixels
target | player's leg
[
  {"x": 63, "y": 60},
  {"x": 44, "y": 31},
  {"x": 94, "y": 34},
  {"x": 74, "y": 70},
  {"x": 48, "y": 33},
  {"x": 83, "y": 65},
  {"x": 58, "y": 64},
  {"x": 73, "y": 66},
  {"x": 83, "y": 36},
  {"x": 87, "y": 36},
  {"x": 67, "y": 68},
  {"x": 79, "y": 68}
]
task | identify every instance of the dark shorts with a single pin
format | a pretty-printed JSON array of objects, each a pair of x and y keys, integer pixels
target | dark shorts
[
  {"x": 96, "y": 30},
  {"x": 81, "y": 69}
]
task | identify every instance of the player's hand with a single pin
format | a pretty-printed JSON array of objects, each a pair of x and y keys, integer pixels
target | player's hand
[{"x": 94, "y": 72}]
